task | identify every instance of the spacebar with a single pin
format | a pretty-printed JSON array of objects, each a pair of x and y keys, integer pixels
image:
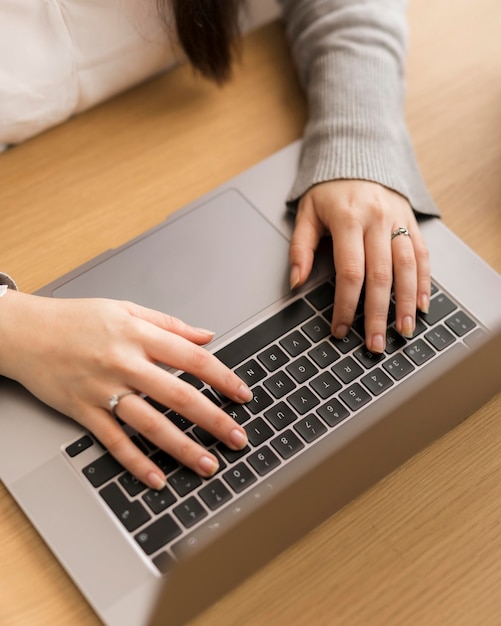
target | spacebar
[{"x": 261, "y": 336}]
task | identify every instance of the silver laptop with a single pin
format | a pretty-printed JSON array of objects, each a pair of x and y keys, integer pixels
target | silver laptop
[{"x": 322, "y": 407}]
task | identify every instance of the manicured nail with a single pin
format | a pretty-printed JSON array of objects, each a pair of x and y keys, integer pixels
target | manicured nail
[
  {"x": 377, "y": 343},
  {"x": 238, "y": 439},
  {"x": 208, "y": 465},
  {"x": 244, "y": 393},
  {"x": 341, "y": 331},
  {"x": 205, "y": 331},
  {"x": 407, "y": 327},
  {"x": 294, "y": 276},
  {"x": 156, "y": 481},
  {"x": 424, "y": 303}
]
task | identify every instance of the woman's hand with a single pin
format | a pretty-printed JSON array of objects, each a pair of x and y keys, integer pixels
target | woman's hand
[
  {"x": 74, "y": 355},
  {"x": 361, "y": 217}
]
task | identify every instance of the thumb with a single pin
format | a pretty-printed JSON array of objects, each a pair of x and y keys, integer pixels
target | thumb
[{"x": 305, "y": 239}]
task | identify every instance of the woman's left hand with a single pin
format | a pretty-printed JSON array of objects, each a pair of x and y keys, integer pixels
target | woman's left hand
[{"x": 361, "y": 217}]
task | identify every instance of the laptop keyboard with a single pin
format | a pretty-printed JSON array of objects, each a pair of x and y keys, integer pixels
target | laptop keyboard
[{"x": 305, "y": 382}]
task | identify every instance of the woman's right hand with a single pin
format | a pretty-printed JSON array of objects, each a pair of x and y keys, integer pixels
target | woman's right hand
[{"x": 75, "y": 354}]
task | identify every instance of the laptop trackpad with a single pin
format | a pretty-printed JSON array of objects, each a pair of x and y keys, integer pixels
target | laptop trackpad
[{"x": 214, "y": 266}]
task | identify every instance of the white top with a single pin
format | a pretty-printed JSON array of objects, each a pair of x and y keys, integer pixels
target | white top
[{"x": 60, "y": 57}]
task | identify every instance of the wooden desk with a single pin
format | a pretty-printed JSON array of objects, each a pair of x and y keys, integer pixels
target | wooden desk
[{"x": 424, "y": 545}]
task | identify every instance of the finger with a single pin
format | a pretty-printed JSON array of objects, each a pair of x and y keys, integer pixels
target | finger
[
  {"x": 305, "y": 238},
  {"x": 423, "y": 270},
  {"x": 378, "y": 281},
  {"x": 349, "y": 262},
  {"x": 405, "y": 284},
  {"x": 181, "y": 354},
  {"x": 180, "y": 396}
]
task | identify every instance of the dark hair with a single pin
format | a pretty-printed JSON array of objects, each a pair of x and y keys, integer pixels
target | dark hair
[{"x": 208, "y": 33}]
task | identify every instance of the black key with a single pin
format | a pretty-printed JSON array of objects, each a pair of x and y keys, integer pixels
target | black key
[
  {"x": 367, "y": 358},
  {"x": 347, "y": 343},
  {"x": 322, "y": 296},
  {"x": 440, "y": 337},
  {"x": 419, "y": 328},
  {"x": 158, "y": 534},
  {"x": 232, "y": 455},
  {"x": 328, "y": 314},
  {"x": 280, "y": 416},
  {"x": 212, "y": 397},
  {"x": 347, "y": 370},
  {"x": 102, "y": 469},
  {"x": 237, "y": 412},
  {"x": 239, "y": 477},
  {"x": 158, "y": 501},
  {"x": 250, "y": 372},
  {"x": 419, "y": 351},
  {"x": 263, "y": 460},
  {"x": 333, "y": 412},
  {"x": 287, "y": 444},
  {"x": 164, "y": 562},
  {"x": 156, "y": 405},
  {"x": 79, "y": 446},
  {"x": 178, "y": 420},
  {"x": 131, "y": 484},
  {"x": 303, "y": 400},
  {"x": 325, "y": 385},
  {"x": 165, "y": 461},
  {"x": 316, "y": 329},
  {"x": 266, "y": 333},
  {"x": 141, "y": 444},
  {"x": 460, "y": 323},
  {"x": 355, "y": 396},
  {"x": 279, "y": 384},
  {"x": 324, "y": 354},
  {"x": 295, "y": 343},
  {"x": 273, "y": 358},
  {"x": 301, "y": 369},
  {"x": 310, "y": 428},
  {"x": 192, "y": 380},
  {"x": 189, "y": 512},
  {"x": 184, "y": 481},
  {"x": 258, "y": 431},
  {"x": 398, "y": 366},
  {"x": 204, "y": 436},
  {"x": 394, "y": 340},
  {"x": 131, "y": 514},
  {"x": 377, "y": 381},
  {"x": 440, "y": 306},
  {"x": 260, "y": 400},
  {"x": 215, "y": 494}
]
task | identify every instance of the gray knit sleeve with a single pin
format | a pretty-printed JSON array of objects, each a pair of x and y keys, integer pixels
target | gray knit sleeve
[
  {"x": 350, "y": 58},
  {"x": 5, "y": 279}
]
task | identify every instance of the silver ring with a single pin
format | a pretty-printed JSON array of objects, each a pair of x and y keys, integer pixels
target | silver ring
[
  {"x": 400, "y": 231},
  {"x": 114, "y": 401}
]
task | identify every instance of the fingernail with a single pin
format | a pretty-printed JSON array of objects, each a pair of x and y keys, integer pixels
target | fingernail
[
  {"x": 377, "y": 343},
  {"x": 244, "y": 393},
  {"x": 294, "y": 276},
  {"x": 238, "y": 439},
  {"x": 156, "y": 481},
  {"x": 208, "y": 465},
  {"x": 424, "y": 303},
  {"x": 205, "y": 331},
  {"x": 341, "y": 331},
  {"x": 407, "y": 327}
]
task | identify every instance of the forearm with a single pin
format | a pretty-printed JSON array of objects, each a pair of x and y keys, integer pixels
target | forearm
[{"x": 350, "y": 58}]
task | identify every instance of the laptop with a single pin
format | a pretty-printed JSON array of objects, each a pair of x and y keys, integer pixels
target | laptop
[{"x": 322, "y": 407}]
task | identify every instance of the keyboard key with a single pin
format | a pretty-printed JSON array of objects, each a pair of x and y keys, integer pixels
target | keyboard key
[
  {"x": 325, "y": 385},
  {"x": 301, "y": 369},
  {"x": 250, "y": 372},
  {"x": 158, "y": 534},
  {"x": 347, "y": 370},
  {"x": 260, "y": 400},
  {"x": 398, "y": 366},
  {"x": 164, "y": 562},
  {"x": 273, "y": 358},
  {"x": 333, "y": 412},
  {"x": 316, "y": 329},
  {"x": 239, "y": 477},
  {"x": 460, "y": 323},
  {"x": 266, "y": 333},
  {"x": 303, "y": 400},
  {"x": 204, "y": 436},
  {"x": 324, "y": 354},
  {"x": 347, "y": 343},
  {"x": 310, "y": 428},
  {"x": 355, "y": 396},
  {"x": 178, "y": 420},
  {"x": 287, "y": 444},
  {"x": 237, "y": 412},
  {"x": 419, "y": 351},
  {"x": 131, "y": 514},
  {"x": 158, "y": 501},
  {"x": 280, "y": 416},
  {"x": 164, "y": 461},
  {"x": 102, "y": 469},
  {"x": 263, "y": 460},
  {"x": 131, "y": 484},
  {"x": 377, "y": 381},
  {"x": 192, "y": 380},
  {"x": 367, "y": 358},
  {"x": 189, "y": 512},
  {"x": 184, "y": 481},
  {"x": 440, "y": 337},
  {"x": 440, "y": 306},
  {"x": 232, "y": 455},
  {"x": 321, "y": 296},
  {"x": 279, "y": 384},
  {"x": 215, "y": 494},
  {"x": 295, "y": 343},
  {"x": 394, "y": 340},
  {"x": 258, "y": 431},
  {"x": 79, "y": 446}
]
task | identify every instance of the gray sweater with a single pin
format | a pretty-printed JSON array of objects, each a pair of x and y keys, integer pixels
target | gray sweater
[{"x": 350, "y": 57}]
